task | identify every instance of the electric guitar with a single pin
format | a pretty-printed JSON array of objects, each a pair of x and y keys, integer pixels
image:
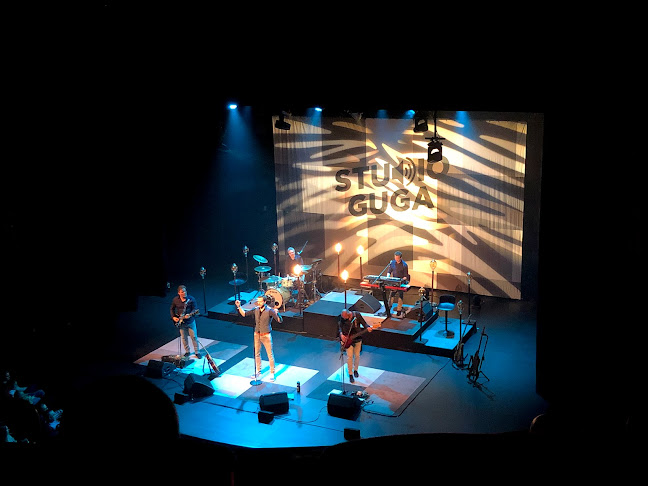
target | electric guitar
[
  {"x": 209, "y": 359},
  {"x": 346, "y": 341},
  {"x": 474, "y": 363},
  {"x": 185, "y": 316}
]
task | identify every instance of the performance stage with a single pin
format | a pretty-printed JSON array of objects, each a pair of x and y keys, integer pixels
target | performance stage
[{"x": 319, "y": 319}]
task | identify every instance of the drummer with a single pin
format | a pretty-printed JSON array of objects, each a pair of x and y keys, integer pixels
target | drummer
[{"x": 292, "y": 260}]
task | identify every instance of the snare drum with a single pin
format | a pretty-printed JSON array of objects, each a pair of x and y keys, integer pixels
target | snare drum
[{"x": 278, "y": 297}]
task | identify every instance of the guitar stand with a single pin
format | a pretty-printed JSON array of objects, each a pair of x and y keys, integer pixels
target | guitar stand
[{"x": 473, "y": 374}]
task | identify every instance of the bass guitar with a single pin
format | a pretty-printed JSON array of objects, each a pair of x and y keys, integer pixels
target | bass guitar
[
  {"x": 182, "y": 317},
  {"x": 347, "y": 341}
]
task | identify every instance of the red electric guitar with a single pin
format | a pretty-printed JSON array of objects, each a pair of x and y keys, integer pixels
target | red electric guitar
[
  {"x": 346, "y": 341},
  {"x": 212, "y": 365}
]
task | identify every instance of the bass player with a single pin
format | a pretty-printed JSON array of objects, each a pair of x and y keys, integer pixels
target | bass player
[{"x": 349, "y": 323}]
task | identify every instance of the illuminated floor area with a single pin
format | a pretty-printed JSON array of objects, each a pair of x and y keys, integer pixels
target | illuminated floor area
[{"x": 400, "y": 392}]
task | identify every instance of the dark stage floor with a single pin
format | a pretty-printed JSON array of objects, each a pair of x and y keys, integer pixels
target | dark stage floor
[
  {"x": 417, "y": 408},
  {"x": 409, "y": 392}
]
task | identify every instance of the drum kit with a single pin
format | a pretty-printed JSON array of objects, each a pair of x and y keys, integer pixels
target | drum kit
[{"x": 279, "y": 290}]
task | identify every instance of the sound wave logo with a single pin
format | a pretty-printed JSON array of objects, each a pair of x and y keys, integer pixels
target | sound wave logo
[{"x": 406, "y": 171}]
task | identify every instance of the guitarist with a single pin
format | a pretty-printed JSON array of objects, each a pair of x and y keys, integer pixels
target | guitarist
[
  {"x": 349, "y": 323},
  {"x": 183, "y": 309}
]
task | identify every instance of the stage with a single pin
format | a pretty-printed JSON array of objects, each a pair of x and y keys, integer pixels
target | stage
[{"x": 412, "y": 333}]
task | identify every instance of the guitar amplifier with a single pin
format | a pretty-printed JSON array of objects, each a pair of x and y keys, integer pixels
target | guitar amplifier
[
  {"x": 276, "y": 403},
  {"x": 177, "y": 360}
]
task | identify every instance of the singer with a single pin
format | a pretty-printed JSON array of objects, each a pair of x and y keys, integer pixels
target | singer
[
  {"x": 262, "y": 332},
  {"x": 398, "y": 268}
]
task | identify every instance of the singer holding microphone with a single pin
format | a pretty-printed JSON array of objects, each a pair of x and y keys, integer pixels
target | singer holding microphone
[
  {"x": 398, "y": 268},
  {"x": 263, "y": 314}
]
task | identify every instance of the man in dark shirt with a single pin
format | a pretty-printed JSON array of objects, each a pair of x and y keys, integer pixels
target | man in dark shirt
[
  {"x": 398, "y": 268},
  {"x": 349, "y": 323},
  {"x": 263, "y": 314},
  {"x": 291, "y": 260},
  {"x": 183, "y": 309}
]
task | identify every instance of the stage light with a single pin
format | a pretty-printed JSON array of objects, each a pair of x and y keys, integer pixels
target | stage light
[
  {"x": 435, "y": 147},
  {"x": 345, "y": 275},
  {"x": 317, "y": 108},
  {"x": 420, "y": 124},
  {"x": 338, "y": 248},
  {"x": 435, "y": 150},
  {"x": 297, "y": 269},
  {"x": 233, "y": 106},
  {"x": 360, "y": 250},
  {"x": 281, "y": 123}
]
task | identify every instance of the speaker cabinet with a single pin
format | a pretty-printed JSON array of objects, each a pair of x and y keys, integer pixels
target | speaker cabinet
[
  {"x": 343, "y": 406},
  {"x": 367, "y": 304},
  {"x": 274, "y": 402},
  {"x": 265, "y": 417},
  {"x": 198, "y": 386},
  {"x": 414, "y": 312},
  {"x": 154, "y": 369}
]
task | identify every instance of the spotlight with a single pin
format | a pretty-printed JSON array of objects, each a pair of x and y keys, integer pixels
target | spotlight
[
  {"x": 435, "y": 148},
  {"x": 281, "y": 124},
  {"x": 420, "y": 124}
]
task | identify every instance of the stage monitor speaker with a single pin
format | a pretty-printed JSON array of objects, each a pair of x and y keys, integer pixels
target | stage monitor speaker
[
  {"x": 351, "y": 434},
  {"x": 414, "y": 312},
  {"x": 367, "y": 304},
  {"x": 274, "y": 402},
  {"x": 265, "y": 417},
  {"x": 180, "y": 398},
  {"x": 198, "y": 386},
  {"x": 343, "y": 406},
  {"x": 154, "y": 369}
]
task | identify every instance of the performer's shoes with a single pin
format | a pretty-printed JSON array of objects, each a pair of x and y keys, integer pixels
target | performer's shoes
[
  {"x": 255, "y": 377},
  {"x": 187, "y": 354},
  {"x": 355, "y": 373},
  {"x": 351, "y": 378},
  {"x": 198, "y": 355},
  {"x": 272, "y": 377}
]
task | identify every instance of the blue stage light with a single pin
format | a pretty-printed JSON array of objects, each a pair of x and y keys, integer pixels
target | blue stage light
[{"x": 233, "y": 106}]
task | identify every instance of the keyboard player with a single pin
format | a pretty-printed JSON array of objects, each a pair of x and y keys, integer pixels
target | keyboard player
[{"x": 398, "y": 268}]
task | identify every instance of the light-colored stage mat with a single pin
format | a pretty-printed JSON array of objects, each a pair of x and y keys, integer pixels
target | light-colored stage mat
[{"x": 389, "y": 392}]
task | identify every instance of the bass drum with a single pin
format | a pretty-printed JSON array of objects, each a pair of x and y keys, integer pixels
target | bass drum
[{"x": 278, "y": 297}]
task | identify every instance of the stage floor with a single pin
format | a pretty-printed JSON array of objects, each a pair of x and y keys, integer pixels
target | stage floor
[{"x": 406, "y": 392}]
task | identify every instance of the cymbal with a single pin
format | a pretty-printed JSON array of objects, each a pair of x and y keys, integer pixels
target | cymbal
[
  {"x": 260, "y": 259},
  {"x": 315, "y": 262},
  {"x": 306, "y": 268},
  {"x": 237, "y": 282},
  {"x": 262, "y": 269},
  {"x": 271, "y": 279}
]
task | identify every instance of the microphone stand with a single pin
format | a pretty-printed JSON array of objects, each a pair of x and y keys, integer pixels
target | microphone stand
[
  {"x": 384, "y": 292},
  {"x": 203, "y": 272},
  {"x": 247, "y": 274},
  {"x": 255, "y": 381},
  {"x": 275, "y": 247}
]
